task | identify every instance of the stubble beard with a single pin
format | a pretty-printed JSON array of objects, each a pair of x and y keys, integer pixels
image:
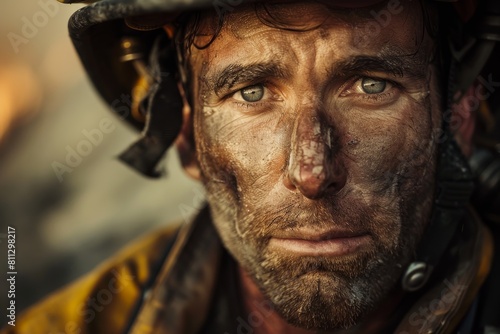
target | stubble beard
[
  {"x": 324, "y": 293},
  {"x": 329, "y": 293}
]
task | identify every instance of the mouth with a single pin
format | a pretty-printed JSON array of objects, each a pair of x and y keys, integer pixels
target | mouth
[{"x": 333, "y": 243}]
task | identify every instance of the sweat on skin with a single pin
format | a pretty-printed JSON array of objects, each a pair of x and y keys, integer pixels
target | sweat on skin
[{"x": 295, "y": 133}]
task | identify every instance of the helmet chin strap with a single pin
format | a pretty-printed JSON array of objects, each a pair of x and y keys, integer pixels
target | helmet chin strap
[
  {"x": 453, "y": 189},
  {"x": 163, "y": 110}
]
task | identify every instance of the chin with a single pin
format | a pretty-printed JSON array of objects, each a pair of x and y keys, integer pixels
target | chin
[
  {"x": 325, "y": 294},
  {"x": 322, "y": 301}
]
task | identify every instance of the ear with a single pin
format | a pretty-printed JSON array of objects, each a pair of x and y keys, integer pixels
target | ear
[
  {"x": 463, "y": 123},
  {"x": 185, "y": 141}
]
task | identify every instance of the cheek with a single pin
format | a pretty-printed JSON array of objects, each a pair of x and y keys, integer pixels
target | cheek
[
  {"x": 381, "y": 145},
  {"x": 247, "y": 150}
]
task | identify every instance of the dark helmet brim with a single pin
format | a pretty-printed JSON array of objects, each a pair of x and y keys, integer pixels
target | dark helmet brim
[
  {"x": 97, "y": 32},
  {"x": 108, "y": 10}
]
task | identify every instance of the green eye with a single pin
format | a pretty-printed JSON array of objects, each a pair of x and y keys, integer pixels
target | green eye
[
  {"x": 252, "y": 93},
  {"x": 373, "y": 86}
]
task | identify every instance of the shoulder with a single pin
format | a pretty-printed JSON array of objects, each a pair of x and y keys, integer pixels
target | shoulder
[{"x": 101, "y": 301}]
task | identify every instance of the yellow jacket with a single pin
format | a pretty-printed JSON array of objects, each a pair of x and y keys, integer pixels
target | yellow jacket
[
  {"x": 103, "y": 300},
  {"x": 190, "y": 291}
]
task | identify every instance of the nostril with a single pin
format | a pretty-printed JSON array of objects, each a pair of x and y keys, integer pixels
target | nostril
[
  {"x": 287, "y": 182},
  {"x": 337, "y": 184}
]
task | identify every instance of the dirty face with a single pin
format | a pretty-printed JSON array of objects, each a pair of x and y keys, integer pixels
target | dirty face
[{"x": 313, "y": 139}]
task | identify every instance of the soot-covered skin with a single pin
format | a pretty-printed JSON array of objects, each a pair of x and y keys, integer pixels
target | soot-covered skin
[{"x": 305, "y": 129}]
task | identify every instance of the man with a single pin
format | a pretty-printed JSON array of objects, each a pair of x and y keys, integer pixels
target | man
[{"x": 335, "y": 191}]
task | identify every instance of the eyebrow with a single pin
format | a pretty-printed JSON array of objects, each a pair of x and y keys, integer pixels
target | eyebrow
[
  {"x": 396, "y": 65},
  {"x": 238, "y": 73}
]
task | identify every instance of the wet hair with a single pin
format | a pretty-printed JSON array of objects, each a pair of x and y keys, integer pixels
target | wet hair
[{"x": 189, "y": 24}]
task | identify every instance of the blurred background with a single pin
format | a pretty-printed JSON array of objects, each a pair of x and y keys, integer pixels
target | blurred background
[{"x": 66, "y": 220}]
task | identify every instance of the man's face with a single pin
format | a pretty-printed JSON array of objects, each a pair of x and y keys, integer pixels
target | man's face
[{"x": 314, "y": 144}]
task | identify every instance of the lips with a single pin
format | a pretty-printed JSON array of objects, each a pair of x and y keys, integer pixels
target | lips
[
  {"x": 331, "y": 243},
  {"x": 315, "y": 235}
]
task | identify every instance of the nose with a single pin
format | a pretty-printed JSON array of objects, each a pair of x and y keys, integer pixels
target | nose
[{"x": 314, "y": 166}]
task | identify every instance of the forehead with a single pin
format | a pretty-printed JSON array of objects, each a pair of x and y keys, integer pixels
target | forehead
[
  {"x": 307, "y": 15},
  {"x": 278, "y": 28}
]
